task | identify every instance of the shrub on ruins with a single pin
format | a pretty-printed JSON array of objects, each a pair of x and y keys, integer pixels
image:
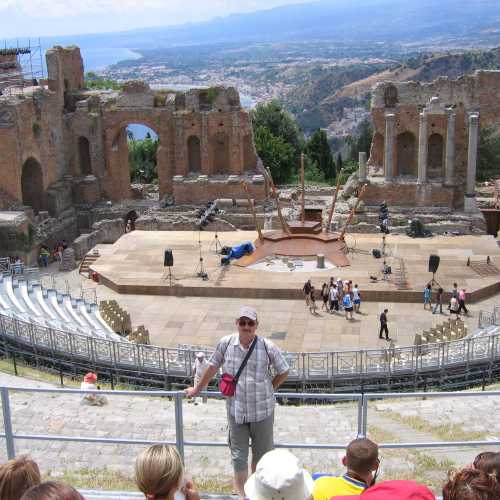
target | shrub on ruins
[
  {"x": 488, "y": 165},
  {"x": 318, "y": 151},
  {"x": 277, "y": 155},
  {"x": 94, "y": 81}
]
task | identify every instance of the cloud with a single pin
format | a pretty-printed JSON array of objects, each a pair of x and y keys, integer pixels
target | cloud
[{"x": 72, "y": 8}]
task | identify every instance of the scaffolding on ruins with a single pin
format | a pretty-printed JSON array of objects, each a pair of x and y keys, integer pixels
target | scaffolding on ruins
[{"x": 21, "y": 66}]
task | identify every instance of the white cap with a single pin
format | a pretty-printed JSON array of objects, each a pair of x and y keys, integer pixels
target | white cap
[
  {"x": 200, "y": 354},
  {"x": 279, "y": 476},
  {"x": 248, "y": 312}
]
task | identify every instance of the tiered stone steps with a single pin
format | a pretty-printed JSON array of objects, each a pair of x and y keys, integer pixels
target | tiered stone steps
[{"x": 87, "y": 261}]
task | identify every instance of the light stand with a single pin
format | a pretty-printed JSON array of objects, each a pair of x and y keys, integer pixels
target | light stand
[
  {"x": 169, "y": 276},
  {"x": 216, "y": 243},
  {"x": 200, "y": 268},
  {"x": 434, "y": 282}
]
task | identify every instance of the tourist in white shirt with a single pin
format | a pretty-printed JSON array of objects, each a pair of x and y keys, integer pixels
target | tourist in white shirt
[
  {"x": 200, "y": 365},
  {"x": 88, "y": 384}
]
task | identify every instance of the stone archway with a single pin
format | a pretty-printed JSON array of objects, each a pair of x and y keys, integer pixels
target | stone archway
[
  {"x": 194, "y": 154},
  {"x": 406, "y": 154},
  {"x": 435, "y": 158},
  {"x": 220, "y": 153},
  {"x": 84, "y": 156},
  {"x": 32, "y": 185}
]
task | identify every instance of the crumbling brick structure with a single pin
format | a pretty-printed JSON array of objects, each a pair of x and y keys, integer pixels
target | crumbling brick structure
[
  {"x": 67, "y": 145},
  {"x": 426, "y": 139}
]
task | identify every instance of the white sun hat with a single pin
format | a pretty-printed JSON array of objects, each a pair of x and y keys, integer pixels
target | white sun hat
[{"x": 279, "y": 476}]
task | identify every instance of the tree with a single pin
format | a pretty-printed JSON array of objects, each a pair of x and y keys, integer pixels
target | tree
[
  {"x": 318, "y": 150},
  {"x": 280, "y": 123},
  {"x": 142, "y": 156},
  {"x": 340, "y": 162},
  {"x": 489, "y": 154},
  {"x": 362, "y": 141},
  {"x": 276, "y": 154}
]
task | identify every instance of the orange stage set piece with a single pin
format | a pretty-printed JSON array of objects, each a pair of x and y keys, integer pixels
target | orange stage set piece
[{"x": 302, "y": 238}]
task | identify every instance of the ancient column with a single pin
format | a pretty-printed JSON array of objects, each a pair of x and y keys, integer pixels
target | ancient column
[
  {"x": 449, "y": 169},
  {"x": 422, "y": 149},
  {"x": 390, "y": 120},
  {"x": 362, "y": 173},
  {"x": 470, "y": 188}
]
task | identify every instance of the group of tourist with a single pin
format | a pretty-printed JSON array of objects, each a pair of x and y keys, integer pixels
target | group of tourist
[
  {"x": 56, "y": 254},
  {"x": 336, "y": 295},
  {"x": 457, "y": 300},
  {"x": 160, "y": 475},
  {"x": 16, "y": 264}
]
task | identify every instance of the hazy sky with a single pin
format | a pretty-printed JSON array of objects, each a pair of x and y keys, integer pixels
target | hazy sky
[{"x": 21, "y": 18}]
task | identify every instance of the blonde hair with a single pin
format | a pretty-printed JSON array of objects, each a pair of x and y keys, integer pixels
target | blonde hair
[
  {"x": 158, "y": 470},
  {"x": 17, "y": 476}
]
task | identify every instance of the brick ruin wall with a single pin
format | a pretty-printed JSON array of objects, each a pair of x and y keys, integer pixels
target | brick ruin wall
[
  {"x": 473, "y": 93},
  {"x": 67, "y": 146}
]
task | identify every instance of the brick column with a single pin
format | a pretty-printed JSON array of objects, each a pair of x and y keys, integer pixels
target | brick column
[
  {"x": 449, "y": 169},
  {"x": 205, "y": 145},
  {"x": 390, "y": 120},
  {"x": 362, "y": 174},
  {"x": 470, "y": 188},
  {"x": 422, "y": 149}
]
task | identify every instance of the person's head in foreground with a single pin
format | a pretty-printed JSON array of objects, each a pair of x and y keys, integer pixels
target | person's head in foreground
[
  {"x": 361, "y": 460},
  {"x": 471, "y": 484},
  {"x": 200, "y": 356},
  {"x": 51, "y": 490},
  {"x": 279, "y": 476},
  {"x": 247, "y": 322},
  {"x": 159, "y": 473},
  {"x": 17, "y": 476},
  {"x": 489, "y": 462}
]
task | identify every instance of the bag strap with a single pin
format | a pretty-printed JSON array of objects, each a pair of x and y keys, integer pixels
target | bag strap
[{"x": 244, "y": 362}]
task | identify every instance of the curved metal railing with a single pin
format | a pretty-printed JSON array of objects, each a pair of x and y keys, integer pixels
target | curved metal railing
[{"x": 305, "y": 366}]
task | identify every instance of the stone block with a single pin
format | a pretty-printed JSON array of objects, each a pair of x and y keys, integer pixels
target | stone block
[{"x": 110, "y": 230}]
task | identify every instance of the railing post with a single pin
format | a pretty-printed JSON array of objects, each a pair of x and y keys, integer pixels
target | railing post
[
  {"x": 364, "y": 429},
  {"x": 179, "y": 424},
  {"x": 7, "y": 423},
  {"x": 360, "y": 415}
]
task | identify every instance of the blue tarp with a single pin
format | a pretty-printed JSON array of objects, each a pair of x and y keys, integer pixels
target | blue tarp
[{"x": 245, "y": 248}]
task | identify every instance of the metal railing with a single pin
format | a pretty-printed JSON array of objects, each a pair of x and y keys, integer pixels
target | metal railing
[
  {"x": 303, "y": 366},
  {"x": 180, "y": 442}
]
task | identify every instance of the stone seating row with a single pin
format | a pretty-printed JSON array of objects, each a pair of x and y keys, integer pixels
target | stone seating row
[{"x": 30, "y": 301}]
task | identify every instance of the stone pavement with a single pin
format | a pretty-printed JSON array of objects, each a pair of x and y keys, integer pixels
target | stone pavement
[
  {"x": 153, "y": 418},
  {"x": 203, "y": 320}
]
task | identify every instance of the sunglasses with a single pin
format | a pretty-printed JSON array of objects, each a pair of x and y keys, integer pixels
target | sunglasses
[{"x": 246, "y": 322}]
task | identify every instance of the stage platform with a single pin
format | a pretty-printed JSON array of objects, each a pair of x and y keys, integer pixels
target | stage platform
[{"x": 134, "y": 265}]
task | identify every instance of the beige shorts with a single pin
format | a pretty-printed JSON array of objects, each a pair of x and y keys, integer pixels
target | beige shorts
[{"x": 261, "y": 434}]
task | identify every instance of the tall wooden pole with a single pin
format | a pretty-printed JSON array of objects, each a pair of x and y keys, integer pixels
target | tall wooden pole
[
  {"x": 302, "y": 175},
  {"x": 334, "y": 202},
  {"x": 284, "y": 225},
  {"x": 252, "y": 209},
  {"x": 351, "y": 215}
]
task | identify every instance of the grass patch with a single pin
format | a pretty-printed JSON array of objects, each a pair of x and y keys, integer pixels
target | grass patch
[
  {"x": 445, "y": 432},
  {"x": 39, "y": 375},
  {"x": 106, "y": 480}
]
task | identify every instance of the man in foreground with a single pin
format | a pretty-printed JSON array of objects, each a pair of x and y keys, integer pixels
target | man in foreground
[
  {"x": 362, "y": 463},
  {"x": 250, "y": 411}
]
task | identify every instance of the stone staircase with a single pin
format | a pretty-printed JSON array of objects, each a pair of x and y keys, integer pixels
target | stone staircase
[{"x": 87, "y": 261}]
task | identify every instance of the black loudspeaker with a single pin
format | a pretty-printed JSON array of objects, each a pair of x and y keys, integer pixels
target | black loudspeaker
[
  {"x": 168, "y": 260},
  {"x": 376, "y": 253},
  {"x": 433, "y": 263}
]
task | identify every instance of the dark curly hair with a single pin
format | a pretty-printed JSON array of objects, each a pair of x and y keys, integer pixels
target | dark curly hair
[{"x": 471, "y": 484}]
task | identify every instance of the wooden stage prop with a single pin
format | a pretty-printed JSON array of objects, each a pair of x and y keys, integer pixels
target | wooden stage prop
[{"x": 301, "y": 238}]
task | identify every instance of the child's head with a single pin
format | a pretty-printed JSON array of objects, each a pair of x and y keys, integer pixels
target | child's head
[{"x": 158, "y": 472}]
